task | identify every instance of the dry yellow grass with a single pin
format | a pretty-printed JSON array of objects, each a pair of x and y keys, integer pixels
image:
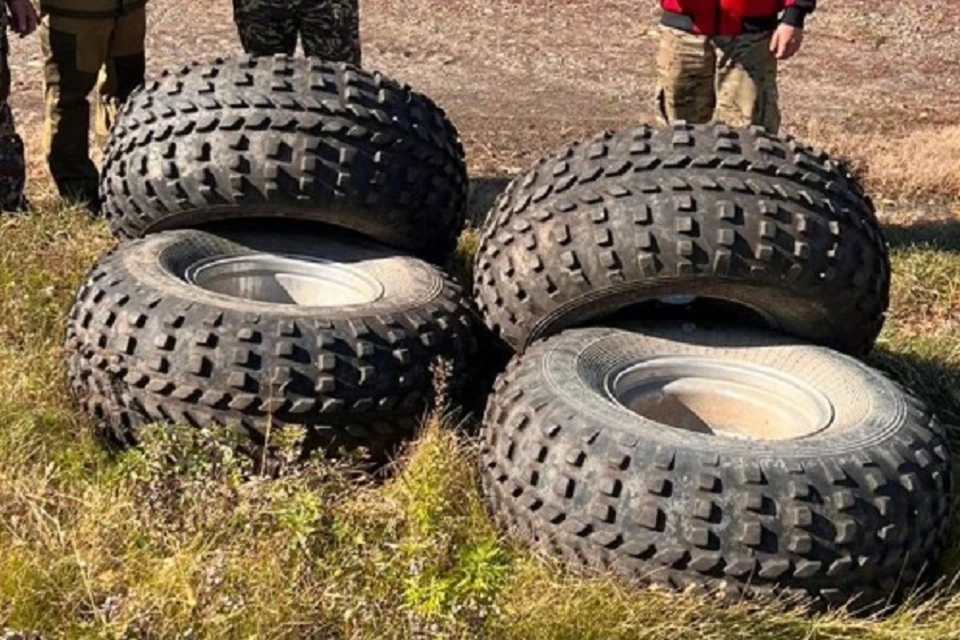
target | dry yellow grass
[{"x": 924, "y": 162}]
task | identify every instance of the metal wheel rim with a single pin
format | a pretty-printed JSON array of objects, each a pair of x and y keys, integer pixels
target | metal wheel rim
[
  {"x": 721, "y": 397},
  {"x": 285, "y": 280}
]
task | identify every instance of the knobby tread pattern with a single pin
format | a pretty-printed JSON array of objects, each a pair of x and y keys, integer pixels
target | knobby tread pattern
[
  {"x": 299, "y": 138},
  {"x": 737, "y": 214},
  {"x": 139, "y": 354},
  {"x": 840, "y": 529}
]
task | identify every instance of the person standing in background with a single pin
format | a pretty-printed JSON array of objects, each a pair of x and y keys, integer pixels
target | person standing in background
[
  {"x": 328, "y": 29},
  {"x": 718, "y": 59},
  {"x": 21, "y": 18},
  {"x": 86, "y": 43}
]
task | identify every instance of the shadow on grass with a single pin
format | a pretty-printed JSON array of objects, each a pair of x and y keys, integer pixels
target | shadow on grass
[
  {"x": 941, "y": 234},
  {"x": 484, "y": 191},
  {"x": 923, "y": 223},
  {"x": 935, "y": 381}
]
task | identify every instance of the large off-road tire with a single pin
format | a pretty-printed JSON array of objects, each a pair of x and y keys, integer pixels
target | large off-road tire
[
  {"x": 191, "y": 327},
  {"x": 731, "y": 215},
  {"x": 284, "y": 137},
  {"x": 726, "y": 459}
]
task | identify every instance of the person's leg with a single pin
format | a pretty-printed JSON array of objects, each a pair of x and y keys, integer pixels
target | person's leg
[
  {"x": 74, "y": 50},
  {"x": 747, "y": 82},
  {"x": 266, "y": 27},
  {"x": 330, "y": 30},
  {"x": 12, "y": 164},
  {"x": 686, "y": 64},
  {"x": 125, "y": 67}
]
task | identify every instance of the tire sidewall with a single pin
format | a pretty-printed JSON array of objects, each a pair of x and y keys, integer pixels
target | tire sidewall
[{"x": 560, "y": 362}]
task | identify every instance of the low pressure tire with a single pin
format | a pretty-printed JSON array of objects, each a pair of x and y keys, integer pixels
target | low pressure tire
[
  {"x": 722, "y": 459},
  {"x": 260, "y": 330},
  {"x": 283, "y": 137},
  {"x": 731, "y": 215}
]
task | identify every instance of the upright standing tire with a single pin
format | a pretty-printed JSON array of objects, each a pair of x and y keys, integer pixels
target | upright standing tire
[
  {"x": 260, "y": 330},
  {"x": 724, "y": 459},
  {"x": 284, "y": 137},
  {"x": 706, "y": 211}
]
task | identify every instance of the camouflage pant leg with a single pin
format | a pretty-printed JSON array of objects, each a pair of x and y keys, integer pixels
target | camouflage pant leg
[
  {"x": 125, "y": 67},
  {"x": 686, "y": 67},
  {"x": 747, "y": 82},
  {"x": 330, "y": 29},
  {"x": 74, "y": 49},
  {"x": 266, "y": 27},
  {"x": 12, "y": 164}
]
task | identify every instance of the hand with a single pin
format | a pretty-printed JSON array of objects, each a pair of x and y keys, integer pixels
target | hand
[
  {"x": 786, "y": 41},
  {"x": 23, "y": 17}
]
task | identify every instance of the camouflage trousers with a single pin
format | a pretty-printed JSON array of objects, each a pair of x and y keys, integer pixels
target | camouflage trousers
[
  {"x": 729, "y": 79},
  {"x": 12, "y": 164},
  {"x": 83, "y": 54},
  {"x": 328, "y": 29}
]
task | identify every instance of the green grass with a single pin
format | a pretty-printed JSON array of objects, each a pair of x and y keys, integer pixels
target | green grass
[{"x": 178, "y": 539}]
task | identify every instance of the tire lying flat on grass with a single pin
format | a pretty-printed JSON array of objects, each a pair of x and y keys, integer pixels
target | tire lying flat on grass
[
  {"x": 258, "y": 329},
  {"x": 720, "y": 459},
  {"x": 734, "y": 215},
  {"x": 284, "y": 137}
]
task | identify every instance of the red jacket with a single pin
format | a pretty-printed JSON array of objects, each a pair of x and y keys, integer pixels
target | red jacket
[{"x": 733, "y": 17}]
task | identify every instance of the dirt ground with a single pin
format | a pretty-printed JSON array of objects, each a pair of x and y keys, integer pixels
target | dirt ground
[{"x": 520, "y": 77}]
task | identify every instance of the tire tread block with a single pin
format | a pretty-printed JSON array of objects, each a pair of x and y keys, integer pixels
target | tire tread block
[{"x": 357, "y": 150}]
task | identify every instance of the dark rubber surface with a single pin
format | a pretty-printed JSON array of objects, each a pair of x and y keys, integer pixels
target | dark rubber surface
[
  {"x": 729, "y": 214},
  {"x": 144, "y": 346},
  {"x": 284, "y": 137},
  {"x": 856, "y": 512}
]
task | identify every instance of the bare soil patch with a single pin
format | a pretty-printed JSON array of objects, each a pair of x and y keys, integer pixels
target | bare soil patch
[{"x": 877, "y": 80}]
